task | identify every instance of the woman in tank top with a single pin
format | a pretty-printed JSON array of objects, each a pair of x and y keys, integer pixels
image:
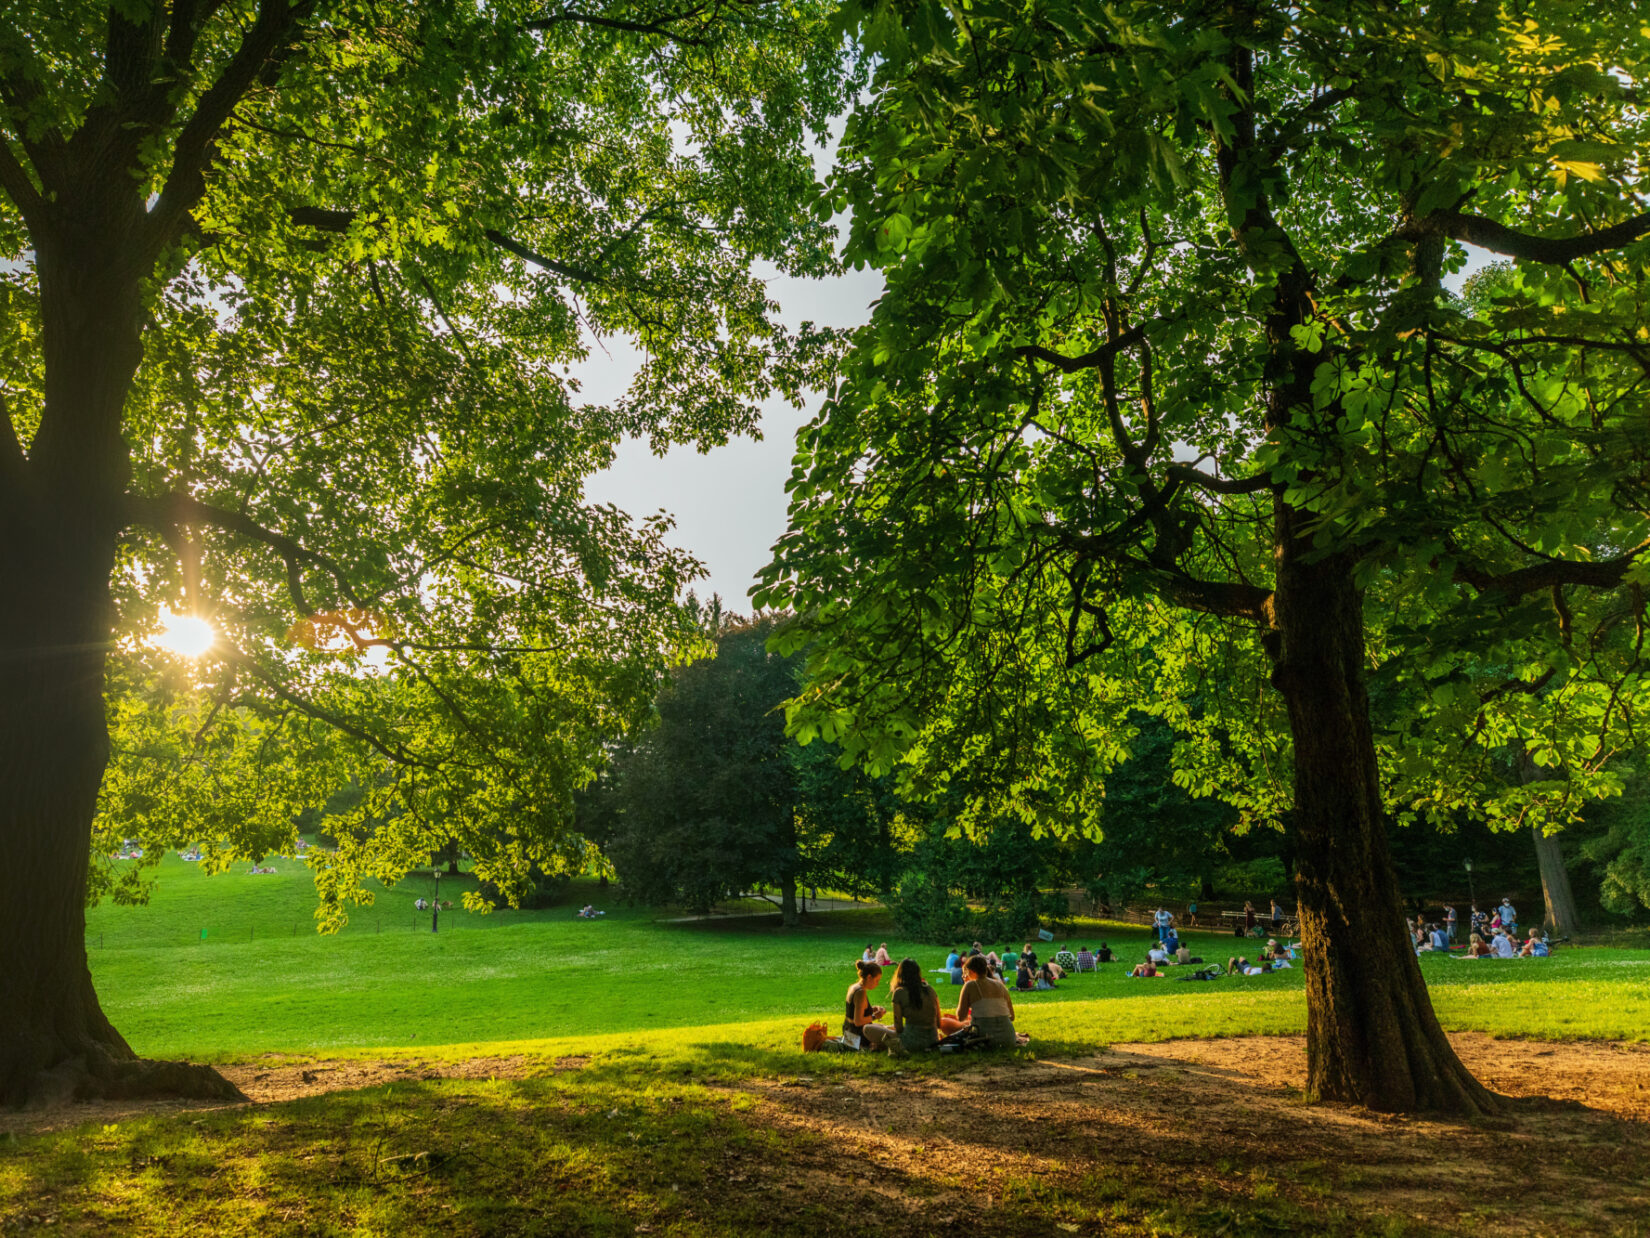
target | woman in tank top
[
  {"x": 859, "y": 1017},
  {"x": 986, "y": 1005},
  {"x": 916, "y": 1008}
]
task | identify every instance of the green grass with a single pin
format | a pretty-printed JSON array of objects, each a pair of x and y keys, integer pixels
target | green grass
[
  {"x": 663, "y": 1092},
  {"x": 263, "y": 981}
]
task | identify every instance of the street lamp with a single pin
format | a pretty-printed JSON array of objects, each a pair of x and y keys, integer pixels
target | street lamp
[
  {"x": 435, "y": 903},
  {"x": 1471, "y": 890}
]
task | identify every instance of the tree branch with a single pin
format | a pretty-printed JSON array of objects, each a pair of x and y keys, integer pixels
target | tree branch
[
  {"x": 398, "y": 753},
  {"x": 566, "y": 270},
  {"x": 1214, "y": 597},
  {"x": 19, "y": 188},
  {"x": 1220, "y": 485},
  {"x": 191, "y": 152},
  {"x": 324, "y": 220},
  {"x": 569, "y": 17},
  {"x": 1500, "y": 239},
  {"x": 1088, "y": 360},
  {"x": 1604, "y": 574},
  {"x": 169, "y": 510}
]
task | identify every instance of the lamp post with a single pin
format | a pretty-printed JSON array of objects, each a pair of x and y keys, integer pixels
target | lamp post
[
  {"x": 1471, "y": 894},
  {"x": 435, "y": 903}
]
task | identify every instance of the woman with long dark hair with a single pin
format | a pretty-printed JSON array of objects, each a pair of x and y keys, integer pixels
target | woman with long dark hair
[{"x": 916, "y": 1007}]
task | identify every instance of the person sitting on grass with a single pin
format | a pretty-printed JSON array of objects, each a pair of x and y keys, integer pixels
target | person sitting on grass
[
  {"x": 862, "y": 1019},
  {"x": 884, "y": 959},
  {"x": 956, "y": 970},
  {"x": 916, "y": 1008},
  {"x": 1171, "y": 940},
  {"x": 1028, "y": 956},
  {"x": 1157, "y": 954},
  {"x": 1085, "y": 959},
  {"x": 1144, "y": 970},
  {"x": 1479, "y": 949},
  {"x": 1276, "y": 957},
  {"x": 1022, "y": 976},
  {"x": 1103, "y": 955},
  {"x": 1046, "y": 977},
  {"x": 1503, "y": 946},
  {"x": 1184, "y": 955},
  {"x": 870, "y": 955},
  {"x": 1535, "y": 947},
  {"x": 952, "y": 960},
  {"x": 987, "y": 1006},
  {"x": 1440, "y": 939},
  {"x": 1065, "y": 960},
  {"x": 1010, "y": 959}
]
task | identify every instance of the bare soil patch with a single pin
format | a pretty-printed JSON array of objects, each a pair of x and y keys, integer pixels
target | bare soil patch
[{"x": 1571, "y": 1157}]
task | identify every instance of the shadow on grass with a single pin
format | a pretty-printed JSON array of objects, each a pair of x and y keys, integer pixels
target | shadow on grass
[{"x": 714, "y": 1138}]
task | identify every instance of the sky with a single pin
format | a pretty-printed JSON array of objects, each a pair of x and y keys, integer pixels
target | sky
[{"x": 729, "y": 502}]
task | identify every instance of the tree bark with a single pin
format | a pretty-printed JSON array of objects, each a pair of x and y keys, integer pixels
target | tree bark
[
  {"x": 59, "y": 525},
  {"x": 1560, "y": 899},
  {"x": 1372, "y": 1036},
  {"x": 787, "y": 900}
]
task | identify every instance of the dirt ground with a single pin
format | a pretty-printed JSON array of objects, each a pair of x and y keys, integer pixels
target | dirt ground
[{"x": 1571, "y": 1157}]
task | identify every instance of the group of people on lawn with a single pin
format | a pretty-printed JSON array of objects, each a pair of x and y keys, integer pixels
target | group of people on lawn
[
  {"x": 1494, "y": 935},
  {"x": 984, "y": 1012}
]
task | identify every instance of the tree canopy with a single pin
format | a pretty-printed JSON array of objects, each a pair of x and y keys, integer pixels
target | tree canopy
[
  {"x": 293, "y": 292},
  {"x": 1170, "y": 407}
]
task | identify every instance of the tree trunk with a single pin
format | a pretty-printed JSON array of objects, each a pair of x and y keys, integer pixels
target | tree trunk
[
  {"x": 787, "y": 900},
  {"x": 60, "y": 517},
  {"x": 1556, "y": 893},
  {"x": 1372, "y": 1036},
  {"x": 1562, "y": 917}
]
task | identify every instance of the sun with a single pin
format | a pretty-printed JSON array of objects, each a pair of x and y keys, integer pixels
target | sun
[{"x": 188, "y": 636}]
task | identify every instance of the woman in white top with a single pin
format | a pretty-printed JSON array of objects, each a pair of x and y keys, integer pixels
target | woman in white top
[{"x": 987, "y": 1005}]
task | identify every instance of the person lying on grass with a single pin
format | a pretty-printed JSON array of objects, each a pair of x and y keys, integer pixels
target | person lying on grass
[
  {"x": 987, "y": 1005},
  {"x": 860, "y": 1018},
  {"x": 918, "y": 1020}
]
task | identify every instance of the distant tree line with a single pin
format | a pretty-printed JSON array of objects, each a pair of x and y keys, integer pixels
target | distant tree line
[{"x": 715, "y": 800}]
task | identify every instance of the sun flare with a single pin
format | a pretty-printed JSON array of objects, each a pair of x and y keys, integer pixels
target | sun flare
[{"x": 188, "y": 636}]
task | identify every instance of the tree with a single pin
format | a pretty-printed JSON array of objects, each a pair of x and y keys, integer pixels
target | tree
[
  {"x": 1167, "y": 401},
  {"x": 705, "y": 803},
  {"x": 293, "y": 285}
]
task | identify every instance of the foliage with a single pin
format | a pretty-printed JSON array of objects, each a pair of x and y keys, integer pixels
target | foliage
[
  {"x": 370, "y": 245},
  {"x": 1167, "y": 315},
  {"x": 706, "y": 800},
  {"x": 1621, "y": 848}
]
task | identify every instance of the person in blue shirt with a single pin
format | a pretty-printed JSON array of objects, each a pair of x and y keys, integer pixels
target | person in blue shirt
[
  {"x": 1440, "y": 939},
  {"x": 951, "y": 960}
]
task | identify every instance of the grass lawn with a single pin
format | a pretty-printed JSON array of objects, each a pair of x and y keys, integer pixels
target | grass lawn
[
  {"x": 253, "y": 985},
  {"x": 528, "y": 1073}
]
